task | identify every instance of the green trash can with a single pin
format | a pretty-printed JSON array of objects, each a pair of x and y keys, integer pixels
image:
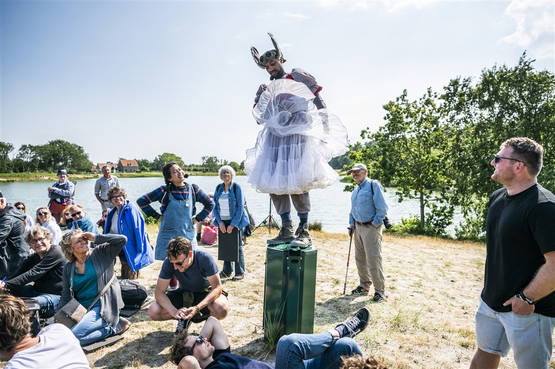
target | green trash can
[{"x": 289, "y": 288}]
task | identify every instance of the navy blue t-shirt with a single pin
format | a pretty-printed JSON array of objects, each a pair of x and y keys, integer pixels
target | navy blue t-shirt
[
  {"x": 231, "y": 361},
  {"x": 194, "y": 279}
]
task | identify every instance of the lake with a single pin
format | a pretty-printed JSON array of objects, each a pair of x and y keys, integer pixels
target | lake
[{"x": 330, "y": 206}]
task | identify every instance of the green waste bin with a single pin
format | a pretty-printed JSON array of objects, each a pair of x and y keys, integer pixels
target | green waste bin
[{"x": 289, "y": 286}]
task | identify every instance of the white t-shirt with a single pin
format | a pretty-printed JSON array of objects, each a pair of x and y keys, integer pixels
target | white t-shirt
[
  {"x": 224, "y": 206},
  {"x": 57, "y": 348}
]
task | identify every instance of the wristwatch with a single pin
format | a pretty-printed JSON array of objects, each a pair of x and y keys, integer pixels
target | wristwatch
[{"x": 525, "y": 298}]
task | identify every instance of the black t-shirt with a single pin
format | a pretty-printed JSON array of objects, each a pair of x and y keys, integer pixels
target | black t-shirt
[
  {"x": 231, "y": 361},
  {"x": 195, "y": 278},
  {"x": 520, "y": 230}
]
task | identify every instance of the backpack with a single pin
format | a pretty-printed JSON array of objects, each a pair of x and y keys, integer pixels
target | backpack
[{"x": 133, "y": 294}]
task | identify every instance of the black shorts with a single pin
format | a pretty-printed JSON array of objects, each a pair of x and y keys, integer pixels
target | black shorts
[{"x": 181, "y": 298}]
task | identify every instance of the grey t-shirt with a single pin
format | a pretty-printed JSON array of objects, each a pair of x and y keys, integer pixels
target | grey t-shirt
[{"x": 194, "y": 278}]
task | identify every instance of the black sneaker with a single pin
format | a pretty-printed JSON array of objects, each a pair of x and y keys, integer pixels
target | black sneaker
[
  {"x": 378, "y": 297},
  {"x": 354, "y": 325},
  {"x": 182, "y": 324},
  {"x": 224, "y": 275},
  {"x": 359, "y": 291}
]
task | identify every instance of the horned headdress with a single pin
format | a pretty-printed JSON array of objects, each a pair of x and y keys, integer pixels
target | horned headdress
[{"x": 268, "y": 55}]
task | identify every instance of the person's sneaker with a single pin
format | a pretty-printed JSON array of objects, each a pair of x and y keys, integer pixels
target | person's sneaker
[
  {"x": 224, "y": 275},
  {"x": 354, "y": 325},
  {"x": 182, "y": 324},
  {"x": 359, "y": 291},
  {"x": 285, "y": 235},
  {"x": 302, "y": 239},
  {"x": 124, "y": 325},
  {"x": 378, "y": 297},
  {"x": 238, "y": 277}
]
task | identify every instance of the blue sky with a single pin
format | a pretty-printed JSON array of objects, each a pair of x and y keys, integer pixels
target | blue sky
[{"x": 134, "y": 79}]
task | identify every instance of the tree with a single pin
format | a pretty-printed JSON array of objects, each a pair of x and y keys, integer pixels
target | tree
[
  {"x": 5, "y": 162},
  {"x": 211, "y": 163},
  {"x": 165, "y": 158},
  {"x": 236, "y": 166},
  {"x": 58, "y": 154},
  {"x": 145, "y": 165}
]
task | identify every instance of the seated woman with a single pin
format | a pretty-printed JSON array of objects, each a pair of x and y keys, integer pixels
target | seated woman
[
  {"x": 45, "y": 219},
  {"x": 43, "y": 268},
  {"x": 126, "y": 219},
  {"x": 229, "y": 213},
  {"x": 81, "y": 221},
  {"x": 65, "y": 219},
  {"x": 86, "y": 274}
]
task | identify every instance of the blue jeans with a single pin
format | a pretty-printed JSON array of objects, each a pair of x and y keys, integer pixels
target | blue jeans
[
  {"x": 48, "y": 302},
  {"x": 313, "y": 351},
  {"x": 92, "y": 327}
]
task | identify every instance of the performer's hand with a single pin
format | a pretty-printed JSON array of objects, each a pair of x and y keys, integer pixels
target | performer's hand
[
  {"x": 230, "y": 228},
  {"x": 351, "y": 230},
  {"x": 191, "y": 312},
  {"x": 259, "y": 92},
  {"x": 180, "y": 313},
  {"x": 519, "y": 307},
  {"x": 222, "y": 228}
]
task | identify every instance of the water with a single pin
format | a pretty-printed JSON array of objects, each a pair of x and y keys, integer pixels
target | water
[{"x": 330, "y": 206}]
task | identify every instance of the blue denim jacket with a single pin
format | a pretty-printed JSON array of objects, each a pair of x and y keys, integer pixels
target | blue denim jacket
[
  {"x": 368, "y": 203},
  {"x": 239, "y": 217}
]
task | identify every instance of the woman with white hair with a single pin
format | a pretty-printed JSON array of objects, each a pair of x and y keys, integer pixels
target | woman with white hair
[
  {"x": 46, "y": 219},
  {"x": 229, "y": 213}
]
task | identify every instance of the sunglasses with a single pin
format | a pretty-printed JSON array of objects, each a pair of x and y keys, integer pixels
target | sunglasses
[
  {"x": 42, "y": 213},
  {"x": 179, "y": 263},
  {"x": 73, "y": 215},
  {"x": 198, "y": 341},
  {"x": 497, "y": 159},
  {"x": 20, "y": 207}
]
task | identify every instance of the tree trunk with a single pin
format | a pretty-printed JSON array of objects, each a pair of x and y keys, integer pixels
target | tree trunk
[{"x": 422, "y": 215}]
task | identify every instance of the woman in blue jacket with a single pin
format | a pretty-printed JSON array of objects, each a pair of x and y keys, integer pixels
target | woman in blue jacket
[
  {"x": 229, "y": 213},
  {"x": 126, "y": 219}
]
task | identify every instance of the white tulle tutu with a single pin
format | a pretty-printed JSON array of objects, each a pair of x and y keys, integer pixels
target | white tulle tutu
[{"x": 293, "y": 149}]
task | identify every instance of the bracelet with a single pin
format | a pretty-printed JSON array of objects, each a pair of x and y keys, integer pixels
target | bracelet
[{"x": 525, "y": 298}]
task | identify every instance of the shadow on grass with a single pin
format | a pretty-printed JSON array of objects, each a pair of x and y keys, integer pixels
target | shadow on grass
[
  {"x": 337, "y": 309},
  {"x": 145, "y": 351},
  {"x": 256, "y": 349}
]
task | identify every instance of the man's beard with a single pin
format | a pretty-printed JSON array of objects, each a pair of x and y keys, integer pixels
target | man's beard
[{"x": 279, "y": 74}]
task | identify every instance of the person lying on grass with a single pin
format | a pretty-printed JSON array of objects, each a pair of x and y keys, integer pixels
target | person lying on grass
[{"x": 210, "y": 349}]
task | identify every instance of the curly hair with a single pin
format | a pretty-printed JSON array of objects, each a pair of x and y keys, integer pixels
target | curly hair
[
  {"x": 66, "y": 245},
  {"x": 528, "y": 151},
  {"x": 179, "y": 350},
  {"x": 360, "y": 362},
  {"x": 116, "y": 191},
  {"x": 14, "y": 322},
  {"x": 179, "y": 246},
  {"x": 37, "y": 229}
]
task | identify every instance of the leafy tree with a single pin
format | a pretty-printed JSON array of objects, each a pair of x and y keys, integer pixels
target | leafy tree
[
  {"x": 211, "y": 163},
  {"x": 165, "y": 158},
  {"x": 236, "y": 166},
  {"x": 5, "y": 162},
  {"x": 62, "y": 154},
  {"x": 145, "y": 165}
]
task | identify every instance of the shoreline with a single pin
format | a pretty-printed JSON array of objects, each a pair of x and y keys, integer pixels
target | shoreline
[{"x": 51, "y": 177}]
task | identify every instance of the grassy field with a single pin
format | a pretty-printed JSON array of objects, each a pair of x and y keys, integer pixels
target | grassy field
[{"x": 427, "y": 320}]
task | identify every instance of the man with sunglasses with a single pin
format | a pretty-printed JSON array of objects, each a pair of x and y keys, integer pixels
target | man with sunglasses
[
  {"x": 211, "y": 350},
  {"x": 13, "y": 249},
  {"x": 200, "y": 293},
  {"x": 517, "y": 307},
  {"x": 43, "y": 269}
]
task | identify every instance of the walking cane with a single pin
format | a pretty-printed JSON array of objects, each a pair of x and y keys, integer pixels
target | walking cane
[{"x": 348, "y": 259}]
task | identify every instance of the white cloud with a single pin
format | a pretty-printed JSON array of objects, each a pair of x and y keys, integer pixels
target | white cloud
[
  {"x": 389, "y": 5},
  {"x": 535, "y": 26},
  {"x": 297, "y": 16}
]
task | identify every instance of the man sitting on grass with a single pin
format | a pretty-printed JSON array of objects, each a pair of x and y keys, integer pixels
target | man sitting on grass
[
  {"x": 200, "y": 291},
  {"x": 210, "y": 349}
]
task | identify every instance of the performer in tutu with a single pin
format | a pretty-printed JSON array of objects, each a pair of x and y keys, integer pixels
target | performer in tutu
[{"x": 298, "y": 140}]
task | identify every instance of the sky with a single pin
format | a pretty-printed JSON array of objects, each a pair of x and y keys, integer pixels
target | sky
[{"x": 134, "y": 79}]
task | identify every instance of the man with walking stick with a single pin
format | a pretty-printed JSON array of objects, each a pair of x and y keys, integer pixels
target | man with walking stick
[{"x": 368, "y": 210}]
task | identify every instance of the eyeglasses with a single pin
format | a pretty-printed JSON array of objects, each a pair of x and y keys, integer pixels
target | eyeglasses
[
  {"x": 497, "y": 159},
  {"x": 42, "y": 213},
  {"x": 73, "y": 215},
  {"x": 199, "y": 340},
  {"x": 35, "y": 241}
]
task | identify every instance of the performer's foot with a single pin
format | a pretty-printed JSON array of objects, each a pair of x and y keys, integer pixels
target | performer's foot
[
  {"x": 302, "y": 239},
  {"x": 285, "y": 235}
]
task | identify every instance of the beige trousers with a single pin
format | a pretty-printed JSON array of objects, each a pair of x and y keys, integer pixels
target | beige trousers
[{"x": 368, "y": 256}]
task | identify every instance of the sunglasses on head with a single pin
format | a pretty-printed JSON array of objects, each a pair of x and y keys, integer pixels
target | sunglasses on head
[
  {"x": 498, "y": 158},
  {"x": 73, "y": 215}
]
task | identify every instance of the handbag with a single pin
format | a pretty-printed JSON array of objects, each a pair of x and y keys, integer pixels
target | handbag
[{"x": 72, "y": 312}]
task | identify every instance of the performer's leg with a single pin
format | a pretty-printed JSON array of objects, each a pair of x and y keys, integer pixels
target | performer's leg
[
  {"x": 302, "y": 205},
  {"x": 282, "y": 204}
]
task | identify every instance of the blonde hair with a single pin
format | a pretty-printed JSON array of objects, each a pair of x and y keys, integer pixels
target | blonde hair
[
  {"x": 50, "y": 217},
  {"x": 66, "y": 245}
]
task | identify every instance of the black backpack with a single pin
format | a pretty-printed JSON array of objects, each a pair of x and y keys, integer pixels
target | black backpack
[{"x": 133, "y": 294}]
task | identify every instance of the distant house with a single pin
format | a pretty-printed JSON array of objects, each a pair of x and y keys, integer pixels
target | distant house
[
  {"x": 99, "y": 166},
  {"x": 126, "y": 166}
]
